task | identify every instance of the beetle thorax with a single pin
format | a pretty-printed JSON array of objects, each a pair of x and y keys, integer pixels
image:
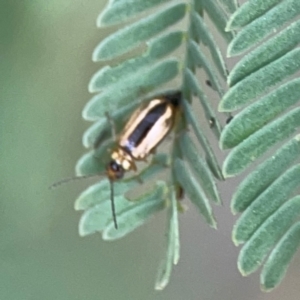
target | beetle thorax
[{"x": 123, "y": 159}]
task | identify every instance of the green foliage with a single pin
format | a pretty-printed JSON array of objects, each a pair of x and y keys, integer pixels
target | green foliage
[
  {"x": 145, "y": 80},
  {"x": 280, "y": 257},
  {"x": 120, "y": 11},
  {"x": 130, "y": 36},
  {"x": 266, "y": 173},
  {"x": 152, "y": 38},
  {"x": 194, "y": 191},
  {"x": 259, "y": 142},
  {"x": 203, "y": 141},
  {"x": 172, "y": 40},
  {"x": 258, "y": 246},
  {"x": 262, "y": 86},
  {"x": 132, "y": 216},
  {"x": 173, "y": 247},
  {"x": 261, "y": 208},
  {"x": 261, "y": 81},
  {"x": 199, "y": 167},
  {"x": 263, "y": 26}
]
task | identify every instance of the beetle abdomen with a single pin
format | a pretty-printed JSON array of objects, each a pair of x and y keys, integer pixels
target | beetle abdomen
[{"x": 148, "y": 129}]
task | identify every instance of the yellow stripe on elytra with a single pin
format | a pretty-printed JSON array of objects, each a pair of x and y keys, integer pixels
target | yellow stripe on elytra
[
  {"x": 137, "y": 118},
  {"x": 156, "y": 134}
]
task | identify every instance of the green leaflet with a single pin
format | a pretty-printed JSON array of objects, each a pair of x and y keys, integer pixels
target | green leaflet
[
  {"x": 199, "y": 167},
  {"x": 260, "y": 113},
  {"x": 258, "y": 181},
  {"x": 248, "y": 12},
  {"x": 174, "y": 228},
  {"x": 210, "y": 157},
  {"x": 121, "y": 11},
  {"x": 194, "y": 191},
  {"x": 256, "y": 249},
  {"x": 173, "y": 246},
  {"x": 130, "y": 89},
  {"x": 268, "y": 202},
  {"x": 101, "y": 130},
  {"x": 96, "y": 194},
  {"x": 165, "y": 268},
  {"x": 132, "y": 35},
  {"x": 94, "y": 162},
  {"x": 135, "y": 215},
  {"x": 157, "y": 48},
  {"x": 200, "y": 60},
  {"x": 263, "y": 26},
  {"x": 97, "y": 217},
  {"x": 267, "y": 52},
  {"x": 100, "y": 192},
  {"x": 194, "y": 86},
  {"x": 259, "y": 142},
  {"x": 280, "y": 258},
  {"x": 229, "y": 5},
  {"x": 261, "y": 81},
  {"x": 207, "y": 38},
  {"x": 217, "y": 15}
]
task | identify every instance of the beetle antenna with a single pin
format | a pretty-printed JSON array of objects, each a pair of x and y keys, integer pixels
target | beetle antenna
[
  {"x": 66, "y": 180},
  {"x": 113, "y": 209}
]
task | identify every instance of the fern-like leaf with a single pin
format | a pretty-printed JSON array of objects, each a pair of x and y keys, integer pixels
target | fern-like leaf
[
  {"x": 152, "y": 38},
  {"x": 263, "y": 87}
]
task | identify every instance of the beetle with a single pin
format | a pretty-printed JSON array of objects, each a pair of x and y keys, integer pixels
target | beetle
[{"x": 145, "y": 130}]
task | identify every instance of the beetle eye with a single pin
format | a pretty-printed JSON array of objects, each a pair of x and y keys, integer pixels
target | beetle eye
[
  {"x": 114, "y": 166},
  {"x": 115, "y": 171}
]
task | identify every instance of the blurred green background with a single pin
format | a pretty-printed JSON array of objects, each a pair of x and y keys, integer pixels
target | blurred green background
[{"x": 45, "y": 67}]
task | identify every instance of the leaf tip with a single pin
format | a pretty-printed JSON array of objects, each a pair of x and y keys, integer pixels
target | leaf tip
[
  {"x": 81, "y": 229},
  {"x": 99, "y": 21},
  {"x": 159, "y": 286},
  {"x": 214, "y": 224},
  {"x": 225, "y": 173},
  {"x": 176, "y": 260},
  {"x": 107, "y": 232},
  {"x": 82, "y": 233},
  {"x": 91, "y": 87},
  {"x": 297, "y": 137},
  {"x": 95, "y": 55},
  {"x": 223, "y": 106},
  {"x": 228, "y": 25},
  {"x": 229, "y": 52},
  {"x": 218, "y": 200},
  {"x": 221, "y": 143},
  {"x": 241, "y": 269},
  {"x": 227, "y": 28},
  {"x": 77, "y": 204},
  {"x": 265, "y": 288},
  {"x": 101, "y": 17},
  {"x": 234, "y": 238},
  {"x": 233, "y": 208},
  {"x": 227, "y": 169}
]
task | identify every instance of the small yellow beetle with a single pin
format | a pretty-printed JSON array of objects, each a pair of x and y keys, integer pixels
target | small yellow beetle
[{"x": 145, "y": 129}]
